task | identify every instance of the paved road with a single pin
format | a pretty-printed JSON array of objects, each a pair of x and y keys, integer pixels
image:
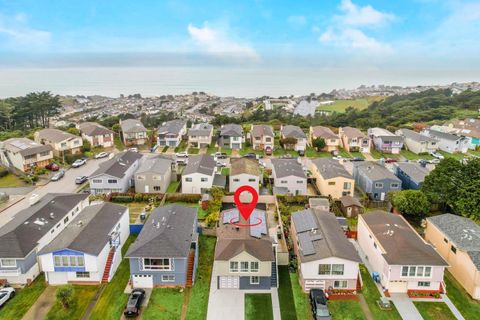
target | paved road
[{"x": 65, "y": 185}]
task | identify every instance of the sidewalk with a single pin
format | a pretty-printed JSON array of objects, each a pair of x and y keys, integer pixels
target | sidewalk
[{"x": 43, "y": 304}]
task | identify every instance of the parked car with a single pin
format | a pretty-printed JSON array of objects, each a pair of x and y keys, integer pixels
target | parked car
[
  {"x": 357, "y": 159},
  {"x": 268, "y": 151},
  {"x": 318, "y": 300},
  {"x": 435, "y": 161},
  {"x": 437, "y": 155},
  {"x": 78, "y": 163},
  {"x": 134, "y": 149},
  {"x": 182, "y": 154},
  {"x": 57, "y": 176},
  {"x": 390, "y": 160},
  {"x": 101, "y": 155},
  {"x": 6, "y": 293},
  {"x": 134, "y": 303},
  {"x": 250, "y": 155},
  {"x": 52, "y": 167},
  {"x": 81, "y": 179},
  {"x": 219, "y": 155}
]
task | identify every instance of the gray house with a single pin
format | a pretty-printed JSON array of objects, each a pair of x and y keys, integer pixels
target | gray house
[
  {"x": 375, "y": 180},
  {"x": 32, "y": 229},
  {"x": 133, "y": 132},
  {"x": 116, "y": 174},
  {"x": 170, "y": 133},
  {"x": 231, "y": 136},
  {"x": 166, "y": 250},
  {"x": 412, "y": 174},
  {"x": 154, "y": 175}
]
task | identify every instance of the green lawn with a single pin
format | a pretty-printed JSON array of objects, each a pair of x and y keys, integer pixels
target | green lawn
[
  {"x": 23, "y": 300},
  {"x": 357, "y": 155},
  {"x": 312, "y": 153},
  {"x": 341, "y": 105},
  {"x": 458, "y": 156},
  {"x": 258, "y": 306},
  {"x": 285, "y": 295},
  {"x": 111, "y": 303},
  {"x": 434, "y": 310},
  {"x": 118, "y": 143},
  {"x": 182, "y": 146},
  {"x": 225, "y": 171},
  {"x": 302, "y": 303},
  {"x": 246, "y": 150},
  {"x": 409, "y": 155},
  {"x": 193, "y": 150},
  {"x": 212, "y": 149},
  {"x": 469, "y": 308},
  {"x": 372, "y": 295},
  {"x": 81, "y": 298},
  {"x": 11, "y": 181},
  {"x": 343, "y": 153},
  {"x": 173, "y": 186},
  {"x": 345, "y": 310},
  {"x": 165, "y": 303},
  {"x": 474, "y": 152},
  {"x": 376, "y": 154},
  {"x": 227, "y": 151},
  {"x": 198, "y": 303}
]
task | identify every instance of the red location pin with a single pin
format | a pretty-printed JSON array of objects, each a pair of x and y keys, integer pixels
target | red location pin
[{"x": 246, "y": 209}]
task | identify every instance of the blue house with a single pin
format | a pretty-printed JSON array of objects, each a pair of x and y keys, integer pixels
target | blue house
[
  {"x": 412, "y": 174},
  {"x": 166, "y": 250},
  {"x": 375, "y": 180}
]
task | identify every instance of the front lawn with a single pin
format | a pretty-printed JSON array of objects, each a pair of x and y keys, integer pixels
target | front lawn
[
  {"x": 357, "y": 154},
  {"x": 118, "y": 143},
  {"x": 434, "y": 310},
  {"x": 312, "y": 153},
  {"x": 246, "y": 150},
  {"x": 173, "y": 186},
  {"x": 285, "y": 295},
  {"x": 343, "y": 153},
  {"x": 81, "y": 298},
  {"x": 469, "y": 308},
  {"x": 376, "y": 154},
  {"x": 227, "y": 151},
  {"x": 181, "y": 147},
  {"x": 345, "y": 310},
  {"x": 198, "y": 303},
  {"x": 258, "y": 306},
  {"x": 409, "y": 155},
  {"x": 302, "y": 302},
  {"x": 23, "y": 300},
  {"x": 11, "y": 181},
  {"x": 165, "y": 303},
  {"x": 193, "y": 150},
  {"x": 458, "y": 156}
]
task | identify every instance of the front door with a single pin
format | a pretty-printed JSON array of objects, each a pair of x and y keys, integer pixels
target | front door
[{"x": 146, "y": 189}]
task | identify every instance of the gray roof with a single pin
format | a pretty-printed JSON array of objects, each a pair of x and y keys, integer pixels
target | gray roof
[
  {"x": 348, "y": 201},
  {"x": 155, "y": 164},
  {"x": 200, "y": 129},
  {"x": 202, "y": 163},
  {"x": 20, "y": 236},
  {"x": 55, "y": 135},
  {"x": 287, "y": 167},
  {"x": 244, "y": 166},
  {"x": 414, "y": 170},
  {"x": 330, "y": 168},
  {"x": 321, "y": 236},
  {"x": 442, "y": 135},
  {"x": 93, "y": 129},
  {"x": 375, "y": 171},
  {"x": 219, "y": 180},
  {"x": 402, "y": 244},
  {"x": 231, "y": 130},
  {"x": 324, "y": 132},
  {"x": 260, "y": 130},
  {"x": 118, "y": 165},
  {"x": 172, "y": 127},
  {"x": 90, "y": 231},
  {"x": 410, "y": 134},
  {"x": 384, "y": 134},
  {"x": 24, "y": 146},
  {"x": 351, "y": 132},
  {"x": 167, "y": 233},
  {"x": 132, "y": 126},
  {"x": 318, "y": 202},
  {"x": 462, "y": 232},
  {"x": 293, "y": 131}
]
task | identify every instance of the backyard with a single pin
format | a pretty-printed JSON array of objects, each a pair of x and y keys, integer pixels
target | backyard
[
  {"x": 82, "y": 295},
  {"x": 469, "y": 308},
  {"x": 165, "y": 303},
  {"x": 434, "y": 310},
  {"x": 258, "y": 306},
  {"x": 173, "y": 187}
]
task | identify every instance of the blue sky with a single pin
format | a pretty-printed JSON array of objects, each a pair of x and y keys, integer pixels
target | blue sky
[{"x": 349, "y": 33}]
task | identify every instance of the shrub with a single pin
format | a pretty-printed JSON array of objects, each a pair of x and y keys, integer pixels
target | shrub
[
  {"x": 139, "y": 197},
  {"x": 189, "y": 198},
  {"x": 124, "y": 199},
  {"x": 64, "y": 295},
  {"x": 40, "y": 171},
  {"x": 3, "y": 172}
]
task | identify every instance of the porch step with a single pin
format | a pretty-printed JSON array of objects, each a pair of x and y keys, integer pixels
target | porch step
[
  {"x": 273, "y": 278},
  {"x": 191, "y": 262},
  {"x": 108, "y": 265}
]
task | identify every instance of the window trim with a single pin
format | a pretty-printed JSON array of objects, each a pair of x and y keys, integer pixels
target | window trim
[
  {"x": 255, "y": 277},
  {"x": 7, "y": 266},
  {"x": 159, "y": 267},
  {"x": 168, "y": 275},
  {"x": 426, "y": 272}
]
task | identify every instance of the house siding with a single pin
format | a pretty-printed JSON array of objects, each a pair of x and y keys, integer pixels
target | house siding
[
  {"x": 264, "y": 284},
  {"x": 290, "y": 182},
  {"x": 122, "y": 185},
  {"x": 179, "y": 271},
  {"x": 196, "y": 186},
  {"x": 147, "y": 185},
  {"x": 368, "y": 186},
  {"x": 243, "y": 179}
]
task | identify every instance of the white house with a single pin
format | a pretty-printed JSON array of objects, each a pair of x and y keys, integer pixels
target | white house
[
  {"x": 199, "y": 174},
  {"x": 170, "y": 133},
  {"x": 416, "y": 142},
  {"x": 25, "y": 154},
  {"x": 96, "y": 134},
  {"x": 385, "y": 141},
  {"x": 289, "y": 177},
  {"x": 448, "y": 142},
  {"x": 89, "y": 249},
  {"x": 244, "y": 172},
  {"x": 231, "y": 136},
  {"x": 289, "y": 131}
]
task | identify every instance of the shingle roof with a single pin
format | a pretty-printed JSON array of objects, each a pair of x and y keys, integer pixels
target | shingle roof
[
  {"x": 410, "y": 134},
  {"x": 118, "y": 165},
  {"x": 353, "y": 132},
  {"x": 24, "y": 146},
  {"x": 324, "y": 132},
  {"x": 331, "y": 168},
  {"x": 155, "y": 164},
  {"x": 414, "y": 170},
  {"x": 94, "y": 129},
  {"x": 20, "y": 236},
  {"x": 200, "y": 129},
  {"x": 287, "y": 167},
  {"x": 260, "y": 130},
  {"x": 231, "y": 130},
  {"x": 168, "y": 233},
  {"x": 172, "y": 127},
  {"x": 384, "y": 134},
  {"x": 462, "y": 232},
  {"x": 132, "y": 126},
  {"x": 202, "y": 163},
  {"x": 293, "y": 131},
  {"x": 375, "y": 171},
  {"x": 55, "y": 135},
  {"x": 442, "y": 135},
  {"x": 244, "y": 165},
  {"x": 348, "y": 201},
  {"x": 320, "y": 236},
  {"x": 402, "y": 245},
  {"x": 90, "y": 231}
]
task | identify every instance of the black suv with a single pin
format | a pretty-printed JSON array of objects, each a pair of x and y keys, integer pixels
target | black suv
[
  {"x": 318, "y": 300},
  {"x": 134, "y": 303}
]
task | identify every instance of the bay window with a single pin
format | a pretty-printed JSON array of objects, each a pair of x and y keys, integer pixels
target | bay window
[
  {"x": 416, "y": 271},
  {"x": 157, "y": 264}
]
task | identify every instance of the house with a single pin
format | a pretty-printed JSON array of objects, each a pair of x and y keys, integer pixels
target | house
[
  {"x": 25, "y": 154},
  {"x": 325, "y": 257},
  {"x": 154, "y": 175},
  {"x": 350, "y": 206},
  {"x": 200, "y": 135},
  {"x": 165, "y": 254},
  {"x": 332, "y": 141},
  {"x": 96, "y": 134},
  {"x": 404, "y": 261},
  {"x": 457, "y": 241},
  {"x": 385, "y": 141},
  {"x": 170, "y": 133},
  {"x": 416, "y": 142},
  {"x": 296, "y": 133},
  {"x": 354, "y": 140},
  {"x": 231, "y": 136},
  {"x": 448, "y": 142},
  {"x": 331, "y": 178},
  {"x": 200, "y": 174},
  {"x": 412, "y": 174},
  {"x": 469, "y": 128},
  {"x": 262, "y": 136},
  {"x": 319, "y": 203},
  {"x": 116, "y": 174},
  {"x": 288, "y": 177},
  {"x": 244, "y": 256},
  {"x": 244, "y": 172},
  {"x": 375, "y": 180},
  {"x": 89, "y": 249},
  {"x": 32, "y": 229},
  {"x": 63, "y": 143},
  {"x": 133, "y": 132}
]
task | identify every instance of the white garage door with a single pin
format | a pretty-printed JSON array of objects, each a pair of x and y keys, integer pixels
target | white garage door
[
  {"x": 229, "y": 282},
  {"x": 317, "y": 284},
  {"x": 397, "y": 286},
  {"x": 142, "y": 281}
]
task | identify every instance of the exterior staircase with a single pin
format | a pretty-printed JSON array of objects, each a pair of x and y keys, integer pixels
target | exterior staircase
[
  {"x": 108, "y": 265},
  {"x": 191, "y": 262},
  {"x": 273, "y": 278}
]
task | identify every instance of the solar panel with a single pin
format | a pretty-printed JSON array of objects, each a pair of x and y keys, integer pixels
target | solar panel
[
  {"x": 316, "y": 236},
  {"x": 230, "y": 216},
  {"x": 304, "y": 221},
  {"x": 257, "y": 230},
  {"x": 306, "y": 244}
]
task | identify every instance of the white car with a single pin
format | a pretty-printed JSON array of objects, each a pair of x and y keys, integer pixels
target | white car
[
  {"x": 133, "y": 149},
  {"x": 437, "y": 155},
  {"x": 181, "y": 154},
  {"x": 6, "y": 294},
  {"x": 101, "y": 155},
  {"x": 79, "y": 163}
]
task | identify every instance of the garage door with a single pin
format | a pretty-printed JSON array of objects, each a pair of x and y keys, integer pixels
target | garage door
[
  {"x": 397, "y": 286},
  {"x": 317, "y": 284},
  {"x": 229, "y": 282},
  {"x": 142, "y": 281}
]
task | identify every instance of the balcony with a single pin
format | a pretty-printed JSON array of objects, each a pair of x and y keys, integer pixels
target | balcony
[{"x": 10, "y": 272}]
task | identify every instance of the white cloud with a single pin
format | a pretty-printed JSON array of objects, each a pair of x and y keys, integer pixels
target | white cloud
[
  {"x": 297, "y": 21},
  {"x": 217, "y": 42},
  {"x": 354, "y": 39},
  {"x": 355, "y": 15},
  {"x": 17, "y": 30}
]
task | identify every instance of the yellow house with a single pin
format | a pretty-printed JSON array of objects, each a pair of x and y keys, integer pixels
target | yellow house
[
  {"x": 332, "y": 179},
  {"x": 332, "y": 140},
  {"x": 457, "y": 240}
]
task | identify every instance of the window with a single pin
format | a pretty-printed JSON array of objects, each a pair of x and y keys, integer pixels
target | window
[
  {"x": 337, "y": 269},
  {"x": 168, "y": 278},
  {"x": 233, "y": 266},
  {"x": 423, "y": 284},
  {"x": 411, "y": 272},
  {"x": 112, "y": 180},
  {"x": 428, "y": 271},
  {"x": 454, "y": 250},
  {"x": 203, "y": 179},
  {"x": 251, "y": 180},
  {"x": 63, "y": 145},
  {"x": 378, "y": 185},
  {"x": 57, "y": 261},
  {"x": 331, "y": 183},
  {"x": 97, "y": 180},
  {"x": 65, "y": 260},
  {"x": 300, "y": 181},
  {"x": 324, "y": 269},
  {"x": 140, "y": 177},
  {"x": 244, "y": 266},
  {"x": 340, "y": 284},
  {"x": 283, "y": 182},
  {"x": 404, "y": 271},
  {"x": 188, "y": 179},
  {"x": 254, "y": 280},
  {"x": 65, "y": 220},
  {"x": 333, "y": 140},
  {"x": 58, "y": 226},
  {"x": 8, "y": 263},
  {"x": 236, "y": 180},
  {"x": 257, "y": 138},
  {"x": 80, "y": 261},
  {"x": 83, "y": 274},
  {"x": 394, "y": 185},
  {"x": 73, "y": 260},
  {"x": 416, "y": 271},
  {"x": 157, "y": 177},
  {"x": 156, "y": 188},
  {"x": 445, "y": 240},
  {"x": 268, "y": 139},
  {"x": 254, "y": 266},
  {"x": 419, "y": 271},
  {"x": 347, "y": 185},
  {"x": 375, "y": 245},
  {"x": 45, "y": 153},
  {"x": 156, "y": 264}
]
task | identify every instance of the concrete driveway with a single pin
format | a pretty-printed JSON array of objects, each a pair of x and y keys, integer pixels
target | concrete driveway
[{"x": 405, "y": 306}]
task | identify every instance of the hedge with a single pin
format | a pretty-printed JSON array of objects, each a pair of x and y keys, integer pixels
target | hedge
[{"x": 179, "y": 197}]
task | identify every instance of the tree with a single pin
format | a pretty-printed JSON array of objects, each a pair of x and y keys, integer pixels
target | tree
[
  {"x": 411, "y": 202},
  {"x": 441, "y": 184},
  {"x": 288, "y": 142},
  {"x": 87, "y": 146},
  {"x": 215, "y": 205},
  {"x": 73, "y": 131},
  {"x": 319, "y": 143},
  {"x": 64, "y": 295},
  {"x": 116, "y": 128}
]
